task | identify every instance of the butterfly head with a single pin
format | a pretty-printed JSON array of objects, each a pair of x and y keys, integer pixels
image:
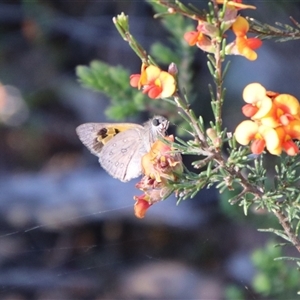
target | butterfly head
[{"x": 159, "y": 125}]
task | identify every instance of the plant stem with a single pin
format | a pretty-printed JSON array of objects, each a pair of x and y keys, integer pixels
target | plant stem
[
  {"x": 217, "y": 103},
  {"x": 218, "y": 78},
  {"x": 283, "y": 220}
]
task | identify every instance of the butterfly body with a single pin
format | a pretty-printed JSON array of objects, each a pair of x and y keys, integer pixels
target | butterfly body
[{"x": 120, "y": 146}]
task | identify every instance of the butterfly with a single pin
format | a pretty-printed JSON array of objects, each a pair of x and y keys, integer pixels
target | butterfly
[{"x": 121, "y": 146}]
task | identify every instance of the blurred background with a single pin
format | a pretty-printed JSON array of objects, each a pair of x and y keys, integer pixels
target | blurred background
[{"x": 67, "y": 230}]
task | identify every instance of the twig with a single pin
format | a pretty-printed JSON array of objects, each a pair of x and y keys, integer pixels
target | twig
[
  {"x": 283, "y": 220},
  {"x": 218, "y": 71}
]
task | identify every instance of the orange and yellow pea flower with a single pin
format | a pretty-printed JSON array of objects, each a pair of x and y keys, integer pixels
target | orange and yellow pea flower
[
  {"x": 237, "y": 4},
  {"x": 204, "y": 35},
  {"x": 275, "y": 121},
  {"x": 161, "y": 163},
  {"x": 154, "y": 82},
  {"x": 243, "y": 45},
  {"x": 141, "y": 205},
  {"x": 159, "y": 166},
  {"x": 199, "y": 39}
]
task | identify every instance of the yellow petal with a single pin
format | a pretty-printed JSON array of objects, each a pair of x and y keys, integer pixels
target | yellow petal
[
  {"x": 249, "y": 53},
  {"x": 276, "y": 151},
  {"x": 245, "y": 132},
  {"x": 143, "y": 77},
  {"x": 272, "y": 139},
  {"x": 168, "y": 84},
  {"x": 265, "y": 106},
  {"x": 254, "y": 92},
  {"x": 152, "y": 73},
  {"x": 240, "y": 5}
]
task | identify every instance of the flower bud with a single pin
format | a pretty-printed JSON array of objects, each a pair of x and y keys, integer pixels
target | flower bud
[
  {"x": 212, "y": 134},
  {"x": 172, "y": 69}
]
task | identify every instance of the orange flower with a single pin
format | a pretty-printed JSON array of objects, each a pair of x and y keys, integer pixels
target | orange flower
[
  {"x": 261, "y": 137},
  {"x": 275, "y": 121},
  {"x": 258, "y": 103},
  {"x": 243, "y": 45},
  {"x": 272, "y": 109},
  {"x": 160, "y": 165},
  {"x": 246, "y": 47},
  {"x": 231, "y": 11},
  {"x": 199, "y": 39},
  {"x": 237, "y": 4},
  {"x": 154, "y": 82},
  {"x": 141, "y": 205},
  {"x": 202, "y": 36},
  {"x": 206, "y": 32}
]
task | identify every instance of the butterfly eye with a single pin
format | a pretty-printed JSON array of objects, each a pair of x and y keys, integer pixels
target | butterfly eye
[{"x": 155, "y": 122}]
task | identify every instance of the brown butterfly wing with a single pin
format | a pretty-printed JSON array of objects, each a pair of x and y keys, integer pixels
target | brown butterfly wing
[
  {"x": 119, "y": 149},
  {"x": 88, "y": 133},
  {"x": 95, "y": 135},
  {"x": 121, "y": 156}
]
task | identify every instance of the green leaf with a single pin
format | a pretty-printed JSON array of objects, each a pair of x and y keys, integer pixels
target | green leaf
[
  {"x": 164, "y": 54},
  {"x": 113, "y": 81}
]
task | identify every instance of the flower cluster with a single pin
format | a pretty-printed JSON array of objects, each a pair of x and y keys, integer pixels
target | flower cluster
[
  {"x": 206, "y": 32},
  {"x": 160, "y": 165},
  {"x": 274, "y": 124},
  {"x": 154, "y": 82}
]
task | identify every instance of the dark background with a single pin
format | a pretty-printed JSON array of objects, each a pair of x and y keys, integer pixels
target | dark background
[{"x": 67, "y": 229}]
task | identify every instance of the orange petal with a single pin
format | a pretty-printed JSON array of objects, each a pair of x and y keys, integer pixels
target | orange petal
[
  {"x": 254, "y": 43},
  {"x": 141, "y": 206},
  {"x": 161, "y": 147},
  {"x": 154, "y": 91},
  {"x": 293, "y": 129},
  {"x": 134, "y": 80},
  {"x": 271, "y": 118},
  {"x": 240, "y": 27},
  {"x": 191, "y": 37},
  {"x": 287, "y": 103},
  {"x": 245, "y": 132},
  {"x": 258, "y": 146},
  {"x": 285, "y": 119},
  {"x": 281, "y": 133},
  {"x": 244, "y": 49},
  {"x": 290, "y": 148},
  {"x": 249, "y": 110}
]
